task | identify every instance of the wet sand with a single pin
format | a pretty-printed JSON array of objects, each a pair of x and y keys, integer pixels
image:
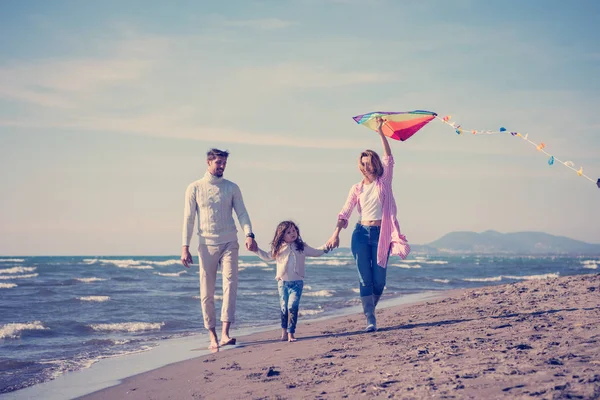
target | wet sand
[{"x": 534, "y": 339}]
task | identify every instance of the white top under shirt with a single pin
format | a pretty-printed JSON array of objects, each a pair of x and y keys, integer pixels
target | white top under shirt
[{"x": 369, "y": 203}]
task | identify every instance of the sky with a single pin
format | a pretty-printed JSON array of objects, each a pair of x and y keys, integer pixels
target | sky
[{"x": 107, "y": 110}]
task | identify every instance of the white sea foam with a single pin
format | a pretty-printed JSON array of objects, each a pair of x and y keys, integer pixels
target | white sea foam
[
  {"x": 320, "y": 293},
  {"x": 514, "y": 277},
  {"x": 407, "y": 266},
  {"x": 307, "y": 287},
  {"x": 11, "y": 260},
  {"x": 13, "y": 331},
  {"x": 533, "y": 277},
  {"x": 162, "y": 263},
  {"x": 89, "y": 280},
  {"x": 18, "y": 276},
  {"x": 17, "y": 270},
  {"x": 356, "y": 290},
  {"x": 128, "y": 264},
  {"x": 424, "y": 261},
  {"x": 7, "y": 285},
  {"x": 171, "y": 274},
  {"x": 99, "y": 299},
  {"x": 336, "y": 262},
  {"x": 442, "y": 280},
  {"x": 217, "y": 297},
  {"x": 492, "y": 279},
  {"x": 303, "y": 313},
  {"x": 127, "y": 327},
  {"x": 590, "y": 264},
  {"x": 261, "y": 293}
]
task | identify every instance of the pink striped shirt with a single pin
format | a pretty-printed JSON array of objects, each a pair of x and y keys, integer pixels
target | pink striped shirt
[{"x": 390, "y": 237}]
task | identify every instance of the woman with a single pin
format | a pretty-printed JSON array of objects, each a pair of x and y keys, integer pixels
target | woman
[{"x": 377, "y": 234}]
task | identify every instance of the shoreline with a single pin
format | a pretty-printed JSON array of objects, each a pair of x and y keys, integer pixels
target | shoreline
[
  {"x": 114, "y": 371},
  {"x": 533, "y": 339}
]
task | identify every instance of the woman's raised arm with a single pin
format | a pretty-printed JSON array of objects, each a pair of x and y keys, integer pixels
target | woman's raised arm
[{"x": 387, "y": 151}]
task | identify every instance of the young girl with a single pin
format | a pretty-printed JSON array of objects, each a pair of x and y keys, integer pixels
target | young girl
[{"x": 289, "y": 251}]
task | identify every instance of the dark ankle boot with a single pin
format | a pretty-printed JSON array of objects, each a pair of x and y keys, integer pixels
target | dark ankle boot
[{"x": 369, "y": 310}]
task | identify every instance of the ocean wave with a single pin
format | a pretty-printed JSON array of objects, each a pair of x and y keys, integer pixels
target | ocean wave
[
  {"x": 303, "y": 313},
  {"x": 356, "y": 290},
  {"x": 336, "y": 262},
  {"x": 533, "y": 277},
  {"x": 14, "y": 330},
  {"x": 407, "y": 266},
  {"x": 128, "y": 264},
  {"x": 171, "y": 274},
  {"x": 492, "y": 279},
  {"x": 514, "y": 277},
  {"x": 442, "y": 280},
  {"x": 127, "y": 327},
  {"x": 307, "y": 287},
  {"x": 7, "y": 285},
  {"x": 320, "y": 293},
  {"x": 217, "y": 297},
  {"x": 590, "y": 264},
  {"x": 99, "y": 299},
  {"x": 162, "y": 263},
  {"x": 17, "y": 270},
  {"x": 89, "y": 280},
  {"x": 5, "y": 277},
  {"x": 12, "y": 259},
  {"x": 436, "y": 262},
  {"x": 261, "y": 293},
  {"x": 84, "y": 361}
]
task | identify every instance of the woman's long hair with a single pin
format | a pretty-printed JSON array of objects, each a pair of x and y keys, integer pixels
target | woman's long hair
[
  {"x": 375, "y": 161},
  {"x": 280, "y": 233}
]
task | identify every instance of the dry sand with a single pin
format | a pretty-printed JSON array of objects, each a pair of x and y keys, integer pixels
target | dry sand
[{"x": 535, "y": 339}]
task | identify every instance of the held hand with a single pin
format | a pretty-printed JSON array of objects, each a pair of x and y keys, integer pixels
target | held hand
[
  {"x": 186, "y": 257},
  {"x": 380, "y": 122},
  {"x": 333, "y": 242},
  {"x": 251, "y": 244},
  {"x": 342, "y": 223}
]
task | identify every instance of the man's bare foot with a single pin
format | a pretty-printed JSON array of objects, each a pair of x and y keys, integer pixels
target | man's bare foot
[
  {"x": 226, "y": 341},
  {"x": 291, "y": 337},
  {"x": 284, "y": 335},
  {"x": 214, "y": 340}
]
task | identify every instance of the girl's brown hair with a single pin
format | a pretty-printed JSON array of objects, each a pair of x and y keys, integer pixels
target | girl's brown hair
[
  {"x": 375, "y": 161},
  {"x": 280, "y": 233}
]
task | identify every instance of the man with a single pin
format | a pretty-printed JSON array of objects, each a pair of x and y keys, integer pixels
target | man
[{"x": 213, "y": 199}]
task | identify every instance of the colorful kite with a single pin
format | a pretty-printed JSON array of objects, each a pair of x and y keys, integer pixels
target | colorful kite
[
  {"x": 402, "y": 125},
  {"x": 397, "y": 125}
]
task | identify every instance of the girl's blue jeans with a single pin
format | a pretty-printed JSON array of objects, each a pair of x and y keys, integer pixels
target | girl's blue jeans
[
  {"x": 289, "y": 302},
  {"x": 364, "y": 249}
]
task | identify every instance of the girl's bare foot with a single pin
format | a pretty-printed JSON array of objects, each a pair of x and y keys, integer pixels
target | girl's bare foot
[
  {"x": 284, "y": 335},
  {"x": 291, "y": 337}
]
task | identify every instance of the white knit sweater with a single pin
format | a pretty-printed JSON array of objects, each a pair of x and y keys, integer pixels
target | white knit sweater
[
  {"x": 290, "y": 261},
  {"x": 213, "y": 200}
]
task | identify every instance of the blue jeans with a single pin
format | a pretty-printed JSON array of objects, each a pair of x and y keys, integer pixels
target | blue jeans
[
  {"x": 364, "y": 249},
  {"x": 289, "y": 302}
]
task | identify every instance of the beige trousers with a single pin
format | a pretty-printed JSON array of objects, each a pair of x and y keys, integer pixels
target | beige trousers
[{"x": 210, "y": 257}]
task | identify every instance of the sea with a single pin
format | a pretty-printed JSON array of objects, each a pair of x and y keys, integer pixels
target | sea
[{"x": 60, "y": 315}]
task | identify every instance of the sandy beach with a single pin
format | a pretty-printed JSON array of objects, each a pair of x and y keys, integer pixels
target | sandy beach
[{"x": 534, "y": 339}]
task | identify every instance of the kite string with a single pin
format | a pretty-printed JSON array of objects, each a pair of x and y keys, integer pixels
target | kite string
[{"x": 540, "y": 147}]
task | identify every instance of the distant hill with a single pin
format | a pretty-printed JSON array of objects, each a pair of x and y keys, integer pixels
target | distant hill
[{"x": 493, "y": 242}]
